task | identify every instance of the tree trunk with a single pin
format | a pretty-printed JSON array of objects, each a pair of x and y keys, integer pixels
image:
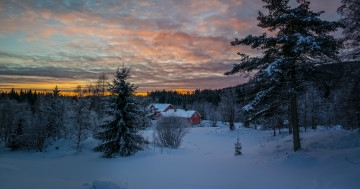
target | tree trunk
[
  {"x": 294, "y": 112},
  {"x": 231, "y": 119},
  {"x": 247, "y": 124},
  {"x": 295, "y": 123},
  {"x": 313, "y": 124},
  {"x": 305, "y": 111},
  {"x": 274, "y": 127},
  {"x": 232, "y": 125},
  {"x": 290, "y": 129},
  {"x": 279, "y": 129},
  {"x": 289, "y": 123}
]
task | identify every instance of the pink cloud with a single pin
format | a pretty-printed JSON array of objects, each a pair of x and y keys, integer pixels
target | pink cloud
[{"x": 165, "y": 41}]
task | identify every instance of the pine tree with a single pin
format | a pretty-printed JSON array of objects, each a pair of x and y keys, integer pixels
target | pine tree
[
  {"x": 54, "y": 105},
  {"x": 17, "y": 138},
  {"x": 350, "y": 11},
  {"x": 301, "y": 42},
  {"x": 238, "y": 147},
  {"x": 56, "y": 91},
  {"x": 120, "y": 135}
]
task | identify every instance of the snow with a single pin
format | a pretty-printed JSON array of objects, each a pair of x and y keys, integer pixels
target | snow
[
  {"x": 160, "y": 107},
  {"x": 250, "y": 107},
  {"x": 306, "y": 41},
  {"x": 330, "y": 158},
  {"x": 179, "y": 113},
  {"x": 273, "y": 67}
]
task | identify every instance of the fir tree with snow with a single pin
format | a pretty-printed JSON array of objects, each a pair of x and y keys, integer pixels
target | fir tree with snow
[
  {"x": 238, "y": 147},
  {"x": 350, "y": 11},
  {"x": 299, "y": 42},
  {"x": 17, "y": 136},
  {"x": 120, "y": 136}
]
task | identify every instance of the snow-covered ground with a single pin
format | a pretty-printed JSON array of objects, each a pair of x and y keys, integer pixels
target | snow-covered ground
[{"x": 330, "y": 158}]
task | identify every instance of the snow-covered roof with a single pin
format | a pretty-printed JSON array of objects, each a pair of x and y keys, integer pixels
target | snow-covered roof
[
  {"x": 160, "y": 107},
  {"x": 179, "y": 113}
]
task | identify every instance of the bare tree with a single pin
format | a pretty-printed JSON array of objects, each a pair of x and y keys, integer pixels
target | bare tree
[
  {"x": 78, "y": 91},
  {"x": 82, "y": 121},
  {"x": 213, "y": 115},
  {"x": 37, "y": 132},
  {"x": 89, "y": 89},
  {"x": 169, "y": 132},
  {"x": 102, "y": 83},
  {"x": 228, "y": 107}
]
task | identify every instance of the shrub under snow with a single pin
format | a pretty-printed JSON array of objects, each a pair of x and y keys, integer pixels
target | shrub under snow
[{"x": 169, "y": 131}]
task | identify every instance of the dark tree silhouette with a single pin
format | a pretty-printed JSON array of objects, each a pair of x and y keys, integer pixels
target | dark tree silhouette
[
  {"x": 120, "y": 135},
  {"x": 301, "y": 42},
  {"x": 350, "y": 11}
]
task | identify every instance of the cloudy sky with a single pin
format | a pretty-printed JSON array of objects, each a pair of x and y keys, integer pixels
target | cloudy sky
[{"x": 169, "y": 44}]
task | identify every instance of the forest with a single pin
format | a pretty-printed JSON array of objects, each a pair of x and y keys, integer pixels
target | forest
[
  {"x": 30, "y": 120},
  {"x": 328, "y": 99},
  {"x": 305, "y": 78}
]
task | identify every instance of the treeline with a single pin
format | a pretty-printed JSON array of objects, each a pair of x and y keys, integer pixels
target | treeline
[
  {"x": 331, "y": 97},
  {"x": 215, "y": 105},
  {"x": 31, "y": 120},
  {"x": 328, "y": 97},
  {"x": 97, "y": 89}
]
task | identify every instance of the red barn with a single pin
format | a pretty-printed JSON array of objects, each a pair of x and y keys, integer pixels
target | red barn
[
  {"x": 191, "y": 115},
  {"x": 156, "y": 109}
]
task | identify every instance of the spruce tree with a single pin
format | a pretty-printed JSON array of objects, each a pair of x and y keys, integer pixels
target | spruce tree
[
  {"x": 56, "y": 91},
  {"x": 119, "y": 136},
  {"x": 350, "y": 11},
  {"x": 237, "y": 147},
  {"x": 17, "y": 136},
  {"x": 299, "y": 42}
]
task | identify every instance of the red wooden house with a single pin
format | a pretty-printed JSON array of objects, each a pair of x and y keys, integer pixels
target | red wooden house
[
  {"x": 156, "y": 109},
  {"x": 191, "y": 115}
]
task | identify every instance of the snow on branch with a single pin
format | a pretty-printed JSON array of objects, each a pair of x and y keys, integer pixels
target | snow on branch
[
  {"x": 303, "y": 42},
  {"x": 274, "y": 67},
  {"x": 258, "y": 99},
  {"x": 246, "y": 64}
]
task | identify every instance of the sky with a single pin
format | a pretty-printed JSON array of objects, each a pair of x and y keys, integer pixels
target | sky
[{"x": 169, "y": 44}]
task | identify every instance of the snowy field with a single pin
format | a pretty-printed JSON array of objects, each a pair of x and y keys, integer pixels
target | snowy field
[{"x": 330, "y": 158}]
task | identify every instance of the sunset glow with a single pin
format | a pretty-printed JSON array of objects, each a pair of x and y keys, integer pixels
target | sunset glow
[
  {"x": 168, "y": 44},
  {"x": 141, "y": 94},
  {"x": 184, "y": 91}
]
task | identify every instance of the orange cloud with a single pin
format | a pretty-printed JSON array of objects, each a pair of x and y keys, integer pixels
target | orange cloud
[
  {"x": 168, "y": 44},
  {"x": 143, "y": 3}
]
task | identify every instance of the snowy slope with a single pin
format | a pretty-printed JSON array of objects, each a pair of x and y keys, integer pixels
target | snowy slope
[{"x": 329, "y": 159}]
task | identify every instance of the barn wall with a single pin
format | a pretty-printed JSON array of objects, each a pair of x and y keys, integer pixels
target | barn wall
[
  {"x": 169, "y": 108},
  {"x": 195, "y": 119}
]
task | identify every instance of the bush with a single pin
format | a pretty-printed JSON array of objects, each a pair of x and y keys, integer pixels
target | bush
[{"x": 169, "y": 131}]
